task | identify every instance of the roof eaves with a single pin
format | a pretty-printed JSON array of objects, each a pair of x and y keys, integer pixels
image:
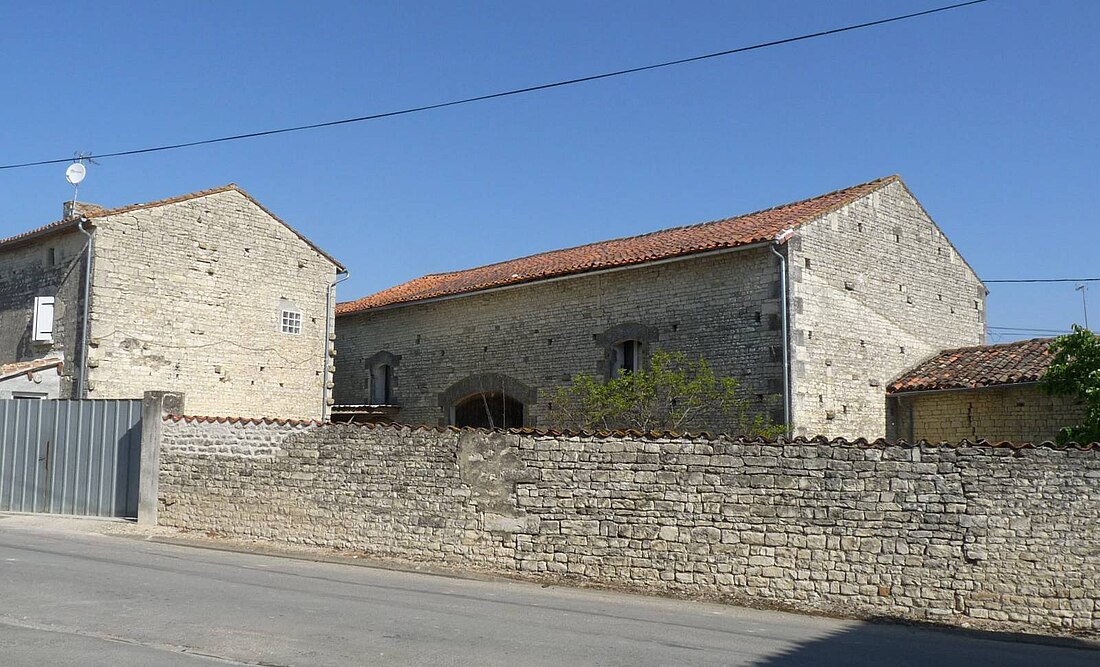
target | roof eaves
[
  {"x": 13, "y": 370},
  {"x": 922, "y": 377},
  {"x": 23, "y": 238},
  {"x": 488, "y": 287},
  {"x": 858, "y": 192}
]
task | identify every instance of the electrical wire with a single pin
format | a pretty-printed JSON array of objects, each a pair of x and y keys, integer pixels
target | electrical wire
[
  {"x": 1028, "y": 330},
  {"x": 507, "y": 93},
  {"x": 1044, "y": 280}
]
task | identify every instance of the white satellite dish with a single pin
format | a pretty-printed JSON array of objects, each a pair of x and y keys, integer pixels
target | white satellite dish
[{"x": 75, "y": 173}]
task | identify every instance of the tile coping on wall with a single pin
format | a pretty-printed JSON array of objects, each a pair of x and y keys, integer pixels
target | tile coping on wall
[{"x": 648, "y": 435}]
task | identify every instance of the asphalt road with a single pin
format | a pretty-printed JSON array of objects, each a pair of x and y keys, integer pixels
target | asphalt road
[{"x": 83, "y": 599}]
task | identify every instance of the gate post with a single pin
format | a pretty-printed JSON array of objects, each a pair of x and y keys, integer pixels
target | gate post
[{"x": 154, "y": 406}]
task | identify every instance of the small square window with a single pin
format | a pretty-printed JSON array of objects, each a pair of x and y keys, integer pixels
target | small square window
[{"x": 291, "y": 322}]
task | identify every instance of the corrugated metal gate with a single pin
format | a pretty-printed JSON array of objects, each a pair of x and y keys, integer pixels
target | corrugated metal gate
[{"x": 70, "y": 457}]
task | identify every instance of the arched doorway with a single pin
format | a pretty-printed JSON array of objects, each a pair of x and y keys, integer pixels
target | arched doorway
[
  {"x": 495, "y": 399},
  {"x": 491, "y": 409}
]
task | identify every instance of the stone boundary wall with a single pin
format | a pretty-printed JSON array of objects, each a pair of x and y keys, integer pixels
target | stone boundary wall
[{"x": 998, "y": 537}]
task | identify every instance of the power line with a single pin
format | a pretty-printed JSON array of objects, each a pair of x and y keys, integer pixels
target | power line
[
  {"x": 1045, "y": 280},
  {"x": 507, "y": 93},
  {"x": 1028, "y": 330}
]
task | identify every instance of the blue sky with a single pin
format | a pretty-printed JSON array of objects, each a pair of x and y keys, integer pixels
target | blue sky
[{"x": 989, "y": 113}]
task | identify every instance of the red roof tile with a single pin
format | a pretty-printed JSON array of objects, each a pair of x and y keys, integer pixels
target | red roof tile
[
  {"x": 21, "y": 367},
  {"x": 91, "y": 211},
  {"x": 717, "y": 235},
  {"x": 36, "y": 232},
  {"x": 980, "y": 366}
]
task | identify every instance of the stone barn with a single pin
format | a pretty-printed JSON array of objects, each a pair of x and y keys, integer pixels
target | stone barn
[{"x": 820, "y": 302}]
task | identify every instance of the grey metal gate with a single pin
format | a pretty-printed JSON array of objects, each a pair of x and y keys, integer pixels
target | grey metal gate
[{"x": 70, "y": 457}]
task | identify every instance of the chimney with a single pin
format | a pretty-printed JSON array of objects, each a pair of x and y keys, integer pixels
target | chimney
[{"x": 74, "y": 209}]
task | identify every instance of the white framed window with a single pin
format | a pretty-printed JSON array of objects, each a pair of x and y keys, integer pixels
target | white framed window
[
  {"x": 29, "y": 396},
  {"x": 291, "y": 322},
  {"x": 43, "y": 319}
]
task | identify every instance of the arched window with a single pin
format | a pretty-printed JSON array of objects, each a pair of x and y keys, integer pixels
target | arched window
[{"x": 491, "y": 409}]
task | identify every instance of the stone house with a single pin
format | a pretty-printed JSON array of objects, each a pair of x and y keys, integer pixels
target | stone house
[
  {"x": 821, "y": 302},
  {"x": 208, "y": 293},
  {"x": 987, "y": 392}
]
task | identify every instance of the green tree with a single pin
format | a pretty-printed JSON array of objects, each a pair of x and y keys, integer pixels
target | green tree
[
  {"x": 1075, "y": 371},
  {"x": 674, "y": 393}
]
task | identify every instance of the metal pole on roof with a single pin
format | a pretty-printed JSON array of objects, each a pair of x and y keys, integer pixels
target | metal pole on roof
[{"x": 1083, "y": 288}]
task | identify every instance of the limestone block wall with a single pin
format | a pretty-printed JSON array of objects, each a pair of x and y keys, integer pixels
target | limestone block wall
[
  {"x": 876, "y": 288},
  {"x": 49, "y": 266},
  {"x": 1012, "y": 413},
  {"x": 188, "y": 297},
  {"x": 723, "y": 307},
  {"x": 996, "y": 537}
]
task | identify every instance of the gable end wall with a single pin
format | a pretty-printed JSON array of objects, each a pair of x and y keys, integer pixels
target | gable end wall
[
  {"x": 871, "y": 304},
  {"x": 187, "y": 297}
]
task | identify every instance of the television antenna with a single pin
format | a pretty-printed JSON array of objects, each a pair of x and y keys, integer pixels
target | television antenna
[
  {"x": 1083, "y": 288},
  {"x": 75, "y": 174}
]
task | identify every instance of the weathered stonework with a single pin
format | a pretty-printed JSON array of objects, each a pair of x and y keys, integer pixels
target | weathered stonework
[
  {"x": 187, "y": 297},
  {"x": 1011, "y": 413},
  {"x": 873, "y": 288},
  {"x": 52, "y": 266},
  {"x": 723, "y": 307},
  {"x": 995, "y": 537},
  {"x": 876, "y": 287}
]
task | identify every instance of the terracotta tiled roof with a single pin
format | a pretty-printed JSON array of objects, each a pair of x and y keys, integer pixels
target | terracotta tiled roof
[
  {"x": 19, "y": 368},
  {"x": 717, "y": 235},
  {"x": 981, "y": 366},
  {"x": 44, "y": 230},
  {"x": 91, "y": 212},
  {"x": 254, "y": 421}
]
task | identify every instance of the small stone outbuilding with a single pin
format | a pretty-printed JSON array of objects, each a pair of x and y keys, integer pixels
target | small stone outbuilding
[{"x": 987, "y": 392}]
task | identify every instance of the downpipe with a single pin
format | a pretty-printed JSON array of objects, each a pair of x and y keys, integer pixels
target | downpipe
[
  {"x": 783, "y": 320},
  {"x": 84, "y": 347},
  {"x": 329, "y": 344}
]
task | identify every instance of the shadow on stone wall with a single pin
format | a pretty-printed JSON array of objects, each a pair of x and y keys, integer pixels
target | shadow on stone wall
[{"x": 886, "y": 643}]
